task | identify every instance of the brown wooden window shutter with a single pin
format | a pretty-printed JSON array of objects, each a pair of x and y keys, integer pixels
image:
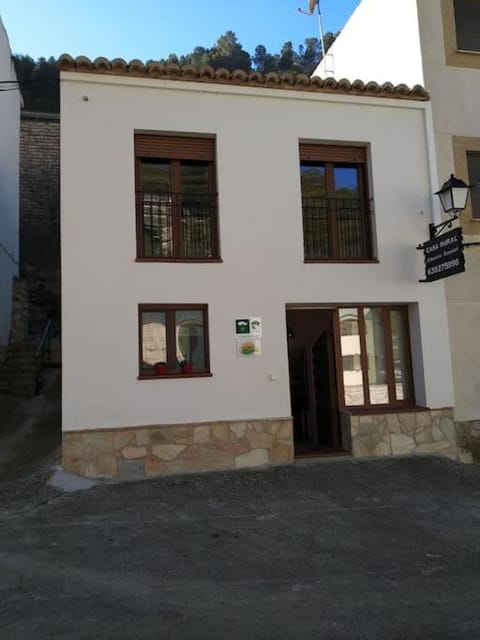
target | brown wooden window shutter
[
  {"x": 174, "y": 147},
  {"x": 331, "y": 153}
]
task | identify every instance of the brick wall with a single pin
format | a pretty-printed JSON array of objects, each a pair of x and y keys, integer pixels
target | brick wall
[
  {"x": 40, "y": 216},
  {"x": 40, "y": 192}
]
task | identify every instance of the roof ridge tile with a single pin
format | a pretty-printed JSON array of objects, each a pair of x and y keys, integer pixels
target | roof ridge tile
[{"x": 287, "y": 81}]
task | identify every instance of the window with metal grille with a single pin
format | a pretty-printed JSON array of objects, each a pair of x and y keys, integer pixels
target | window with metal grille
[
  {"x": 176, "y": 198},
  {"x": 336, "y": 216},
  {"x": 467, "y": 24},
  {"x": 473, "y": 163}
]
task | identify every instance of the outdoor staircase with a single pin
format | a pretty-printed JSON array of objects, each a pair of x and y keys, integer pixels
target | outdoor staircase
[
  {"x": 35, "y": 342},
  {"x": 21, "y": 372},
  {"x": 18, "y": 373}
]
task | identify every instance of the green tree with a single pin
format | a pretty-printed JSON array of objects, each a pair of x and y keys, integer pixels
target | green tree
[
  {"x": 264, "y": 62},
  {"x": 38, "y": 83},
  {"x": 228, "y": 53}
]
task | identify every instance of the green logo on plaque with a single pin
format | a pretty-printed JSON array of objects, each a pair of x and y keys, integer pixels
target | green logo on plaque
[{"x": 242, "y": 326}]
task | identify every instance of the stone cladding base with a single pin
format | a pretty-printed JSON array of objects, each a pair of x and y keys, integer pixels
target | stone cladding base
[
  {"x": 138, "y": 452},
  {"x": 131, "y": 453},
  {"x": 415, "y": 432}
]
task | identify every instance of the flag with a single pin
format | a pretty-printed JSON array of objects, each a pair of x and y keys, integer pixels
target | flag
[{"x": 311, "y": 8}]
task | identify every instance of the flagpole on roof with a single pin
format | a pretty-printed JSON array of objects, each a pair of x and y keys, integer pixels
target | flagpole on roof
[
  {"x": 311, "y": 10},
  {"x": 320, "y": 27}
]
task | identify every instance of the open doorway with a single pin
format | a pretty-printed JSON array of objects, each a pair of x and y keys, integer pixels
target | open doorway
[{"x": 313, "y": 382}]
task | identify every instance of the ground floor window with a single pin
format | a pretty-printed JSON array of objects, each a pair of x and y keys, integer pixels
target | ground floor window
[
  {"x": 173, "y": 340},
  {"x": 375, "y": 356}
]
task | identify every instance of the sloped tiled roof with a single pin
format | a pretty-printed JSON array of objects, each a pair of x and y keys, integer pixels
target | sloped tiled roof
[{"x": 289, "y": 81}]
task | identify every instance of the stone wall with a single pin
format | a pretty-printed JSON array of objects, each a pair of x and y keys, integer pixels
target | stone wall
[
  {"x": 468, "y": 438},
  {"x": 20, "y": 311},
  {"x": 414, "y": 432},
  {"x": 170, "y": 449}
]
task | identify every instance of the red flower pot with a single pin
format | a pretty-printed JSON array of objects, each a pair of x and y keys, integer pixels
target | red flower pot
[
  {"x": 161, "y": 369},
  {"x": 187, "y": 367}
]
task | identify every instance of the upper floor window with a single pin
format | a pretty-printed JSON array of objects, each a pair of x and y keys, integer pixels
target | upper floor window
[
  {"x": 473, "y": 163},
  {"x": 336, "y": 216},
  {"x": 176, "y": 198},
  {"x": 467, "y": 23}
]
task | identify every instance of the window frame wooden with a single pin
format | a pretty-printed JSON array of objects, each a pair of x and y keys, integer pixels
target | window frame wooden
[
  {"x": 176, "y": 149},
  {"x": 367, "y": 406},
  {"x": 331, "y": 156},
  {"x": 170, "y": 324}
]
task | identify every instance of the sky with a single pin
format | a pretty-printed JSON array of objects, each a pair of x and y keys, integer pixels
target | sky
[{"x": 152, "y": 29}]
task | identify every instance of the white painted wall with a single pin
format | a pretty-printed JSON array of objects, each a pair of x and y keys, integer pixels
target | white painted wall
[
  {"x": 379, "y": 42},
  {"x": 257, "y": 133},
  {"x": 9, "y": 175}
]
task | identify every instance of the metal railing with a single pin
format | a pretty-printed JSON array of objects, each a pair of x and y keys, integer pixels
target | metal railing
[
  {"x": 178, "y": 225},
  {"x": 335, "y": 228},
  {"x": 42, "y": 356}
]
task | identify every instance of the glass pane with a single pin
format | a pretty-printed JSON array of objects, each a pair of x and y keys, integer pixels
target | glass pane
[
  {"x": 197, "y": 213},
  {"x": 467, "y": 22},
  {"x": 193, "y": 178},
  {"x": 349, "y": 213},
  {"x": 473, "y": 162},
  {"x": 377, "y": 367},
  {"x": 154, "y": 339},
  {"x": 190, "y": 337},
  {"x": 155, "y": 176},
  {"x": 156, "y": 202},
  {"x": 315, "y": 212},
  {"x": 346, "y": 182},
  {"x": 313, "y": 180},
  {"x": 400, "y": 355},
  {"x": 351, "y": 357}
]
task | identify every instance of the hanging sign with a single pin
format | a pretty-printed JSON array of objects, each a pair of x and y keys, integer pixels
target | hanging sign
[{"x": 443, "y": 256}]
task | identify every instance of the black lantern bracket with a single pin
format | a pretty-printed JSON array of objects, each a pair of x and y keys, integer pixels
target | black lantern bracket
[{"x": 436, "y": 229}]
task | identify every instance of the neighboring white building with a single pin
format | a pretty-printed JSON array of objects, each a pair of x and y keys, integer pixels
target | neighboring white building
[
  {"x": 10, "y": 102},
  {"x": 436, "y": 43},
  {"x": 324, "y": 192}
]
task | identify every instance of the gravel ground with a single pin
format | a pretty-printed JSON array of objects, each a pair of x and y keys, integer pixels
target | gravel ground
[{"x": 385, "y": 548}]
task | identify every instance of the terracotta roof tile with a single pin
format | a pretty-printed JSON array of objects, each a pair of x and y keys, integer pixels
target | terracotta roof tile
[{"x": 290, "y": 81}]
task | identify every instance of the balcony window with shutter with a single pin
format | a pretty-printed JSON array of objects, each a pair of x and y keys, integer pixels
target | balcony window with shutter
[
  {"x": 176, "y": 198},
  {"x": 335, "y": 203}
]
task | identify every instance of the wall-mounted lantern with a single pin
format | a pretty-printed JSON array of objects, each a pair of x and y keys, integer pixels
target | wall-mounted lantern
[
  {"x": 453, "y": 196},
  {"x": 443, "y": 253}
]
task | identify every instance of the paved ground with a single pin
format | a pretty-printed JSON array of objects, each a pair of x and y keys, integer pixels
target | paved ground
[{"x": 381, "y": 549}]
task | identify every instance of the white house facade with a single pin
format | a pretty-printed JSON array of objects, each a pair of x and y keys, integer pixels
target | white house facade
[
  {"x": 10, "y": 102},
  {"x": 240, "y": 279},
  {"x": 436, "y": 43}
]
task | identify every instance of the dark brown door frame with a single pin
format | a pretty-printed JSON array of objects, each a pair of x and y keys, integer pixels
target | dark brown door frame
[{"x": 301, "y": 321}]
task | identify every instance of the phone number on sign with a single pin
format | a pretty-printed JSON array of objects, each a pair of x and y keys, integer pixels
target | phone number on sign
[{"x": 443, "y": 267}]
